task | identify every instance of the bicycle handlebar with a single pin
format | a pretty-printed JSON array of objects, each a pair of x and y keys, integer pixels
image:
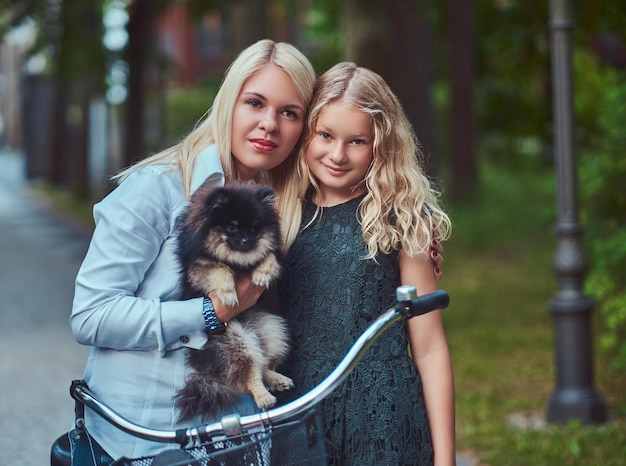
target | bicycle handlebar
[{"x": 408, "y": 305}]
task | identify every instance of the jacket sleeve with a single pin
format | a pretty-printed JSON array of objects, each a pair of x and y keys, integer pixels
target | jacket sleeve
[{"x": 110, "y": 310}]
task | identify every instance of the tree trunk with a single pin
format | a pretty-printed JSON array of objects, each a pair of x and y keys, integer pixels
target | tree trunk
[
  {"x": 462, "y": 63},
  {"x": 248, "y": 22},
  {"x": 396, "y": 41},
  {"x": 59, "y": 143},
  {"x": 79, "y": 75},
  {"x": 366, "y": 27},
  {"x": 411, "y": 70},
  {"x": 139, "y": 56}
]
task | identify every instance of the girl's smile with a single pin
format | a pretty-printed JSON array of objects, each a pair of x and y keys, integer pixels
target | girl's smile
[{"x": 340, "y": 153}]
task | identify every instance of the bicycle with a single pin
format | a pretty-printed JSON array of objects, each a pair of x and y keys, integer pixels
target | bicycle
[{"x": 286, "y": 435}]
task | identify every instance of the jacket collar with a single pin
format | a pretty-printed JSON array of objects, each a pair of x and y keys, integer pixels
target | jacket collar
[{"x": 207, "y": 166}]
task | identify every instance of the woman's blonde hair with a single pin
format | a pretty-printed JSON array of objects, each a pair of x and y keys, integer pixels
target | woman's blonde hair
[
  {"x": 401, "y": 207},
  {"x": 215, "y": 127}
]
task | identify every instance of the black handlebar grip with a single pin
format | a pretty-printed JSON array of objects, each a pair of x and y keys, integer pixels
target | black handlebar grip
[{"x": 414, "y": 306}]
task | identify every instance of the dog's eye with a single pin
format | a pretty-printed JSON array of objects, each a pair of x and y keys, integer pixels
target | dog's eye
[{"x": 232, "y": 229}]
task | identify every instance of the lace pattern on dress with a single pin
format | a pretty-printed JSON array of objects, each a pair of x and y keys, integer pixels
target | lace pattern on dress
[{"x": 329, "y": 294}]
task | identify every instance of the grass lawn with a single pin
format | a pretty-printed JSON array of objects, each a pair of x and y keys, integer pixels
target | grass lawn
[{"x": 499, "y": 274}]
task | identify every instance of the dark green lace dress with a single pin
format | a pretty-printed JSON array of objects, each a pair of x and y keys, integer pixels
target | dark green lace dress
[{"x": 329, "y": 295}]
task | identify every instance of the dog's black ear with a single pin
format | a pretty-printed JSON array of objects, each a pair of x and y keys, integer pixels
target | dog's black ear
[
  {"x": 219, "y": 199},
  {"x": 200, "y": 206},
  {"x": 267, "y": 195},
  {"x": 203, "y": 192}
]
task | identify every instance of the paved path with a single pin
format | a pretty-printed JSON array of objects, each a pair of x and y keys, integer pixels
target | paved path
[{"x": 39, "y": 257}]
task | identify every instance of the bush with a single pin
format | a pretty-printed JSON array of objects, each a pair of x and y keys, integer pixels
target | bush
[
  {"x": 185, "y": 107},
  {"x": 603, "y": 202}
]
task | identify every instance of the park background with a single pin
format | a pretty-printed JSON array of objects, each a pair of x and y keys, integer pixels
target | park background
[{"x": 89, "y": 86}]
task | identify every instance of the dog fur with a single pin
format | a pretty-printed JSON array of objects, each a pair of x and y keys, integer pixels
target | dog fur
[{"x": 225, "y": 232}]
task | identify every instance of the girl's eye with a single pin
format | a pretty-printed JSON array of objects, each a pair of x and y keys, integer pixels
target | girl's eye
[
  {"x": 324, "y": 135},
  {"x": 358, "y": 141}
]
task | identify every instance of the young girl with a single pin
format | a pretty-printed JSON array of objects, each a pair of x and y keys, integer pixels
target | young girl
[
  {"x": 126, "y": 304},
  {"x": 370, "y": 217}
]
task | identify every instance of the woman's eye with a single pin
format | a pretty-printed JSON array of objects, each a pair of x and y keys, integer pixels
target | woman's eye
[
  {"x": 290, "y": 114},
  {"x": 254, "y": 103}
]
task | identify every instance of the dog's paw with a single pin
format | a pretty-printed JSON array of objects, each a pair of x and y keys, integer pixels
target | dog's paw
[
  {"x": 278, "y": 382},
  {"x": 227, "y": 296},
  {"x": 266, "y": 272},
  {"x": 265, "y": 400},
  {"x": 262, "y": 278}
]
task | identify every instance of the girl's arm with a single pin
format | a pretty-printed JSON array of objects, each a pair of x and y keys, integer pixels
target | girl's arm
[{"x": 429, "y": 350}]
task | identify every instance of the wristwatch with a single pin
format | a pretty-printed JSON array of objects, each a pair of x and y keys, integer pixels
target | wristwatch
[{"x": 211, "y": 324}]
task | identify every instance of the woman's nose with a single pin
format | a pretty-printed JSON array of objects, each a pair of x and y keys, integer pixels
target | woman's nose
[{"x": 268, "y": 122}]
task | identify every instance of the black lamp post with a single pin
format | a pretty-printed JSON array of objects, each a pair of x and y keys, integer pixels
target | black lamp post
[{"x": 574, "y": 396}]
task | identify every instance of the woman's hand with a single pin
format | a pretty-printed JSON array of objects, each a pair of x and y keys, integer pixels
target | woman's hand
[
  {"x": 436, "y": 254},
  {"x": 247, "y": 292}
]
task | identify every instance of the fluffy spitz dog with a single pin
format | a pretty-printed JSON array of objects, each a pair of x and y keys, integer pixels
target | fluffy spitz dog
[{"x": 227, "y": 231}]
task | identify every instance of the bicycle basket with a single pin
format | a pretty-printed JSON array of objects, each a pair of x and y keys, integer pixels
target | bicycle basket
[{"x": 299, "y": 442}]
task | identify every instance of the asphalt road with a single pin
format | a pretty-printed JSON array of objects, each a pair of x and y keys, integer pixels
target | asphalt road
[{"x": 40, "y": 254}]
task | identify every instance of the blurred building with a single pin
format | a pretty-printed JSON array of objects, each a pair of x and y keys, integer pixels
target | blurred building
[
  {"x": 13, "y": 50},
  {"x": 192, "y": 49}
]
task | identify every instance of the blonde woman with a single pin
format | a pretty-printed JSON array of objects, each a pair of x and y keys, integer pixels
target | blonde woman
[
  {"x": 125, "y": 305},
  {"x": 370, "y": 218}
]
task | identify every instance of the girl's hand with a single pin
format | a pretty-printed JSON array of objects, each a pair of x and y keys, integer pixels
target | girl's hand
[
  {"x": 436, "y": 254},
  {"x": 247, "y": 292}
]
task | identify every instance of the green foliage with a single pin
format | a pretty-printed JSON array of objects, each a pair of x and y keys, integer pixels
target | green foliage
[
  {"x": 65, "y": 204},
  {"x": 513, "y": 68},
  {"x": 323, "y": 34},
  {"x": 499, "y": 274},
  {"x": 503, "y": 203},
  {"x": 185, "y": 107},
  {"x": 514, "y": 71},
  {"x": 603, "y": 199},
  {"x": 69, "y": 34}
]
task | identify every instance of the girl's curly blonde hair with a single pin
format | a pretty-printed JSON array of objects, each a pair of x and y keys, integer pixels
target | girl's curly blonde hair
[{"x": 401, "y": 208}]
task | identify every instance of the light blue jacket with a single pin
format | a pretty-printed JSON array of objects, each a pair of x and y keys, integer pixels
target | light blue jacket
[{"x": 125, "y": 305}]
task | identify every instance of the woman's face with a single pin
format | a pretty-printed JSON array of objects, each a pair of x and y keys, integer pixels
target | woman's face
[{"x": 268, "y": 119}]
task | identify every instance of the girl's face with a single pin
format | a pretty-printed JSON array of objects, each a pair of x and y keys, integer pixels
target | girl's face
[
  {"x": 340, "y": 153},
  {"x": 268, "y": 119}
]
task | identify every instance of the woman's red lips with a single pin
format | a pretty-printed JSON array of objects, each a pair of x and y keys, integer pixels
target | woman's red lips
[{"x": 263, "y": 144}]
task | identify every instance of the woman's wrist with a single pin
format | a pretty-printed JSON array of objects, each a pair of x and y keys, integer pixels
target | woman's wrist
[{"x": 211, "y": 323}]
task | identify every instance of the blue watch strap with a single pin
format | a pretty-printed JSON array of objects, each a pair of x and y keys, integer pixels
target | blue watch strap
[{"x": 211, "y": 323}]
